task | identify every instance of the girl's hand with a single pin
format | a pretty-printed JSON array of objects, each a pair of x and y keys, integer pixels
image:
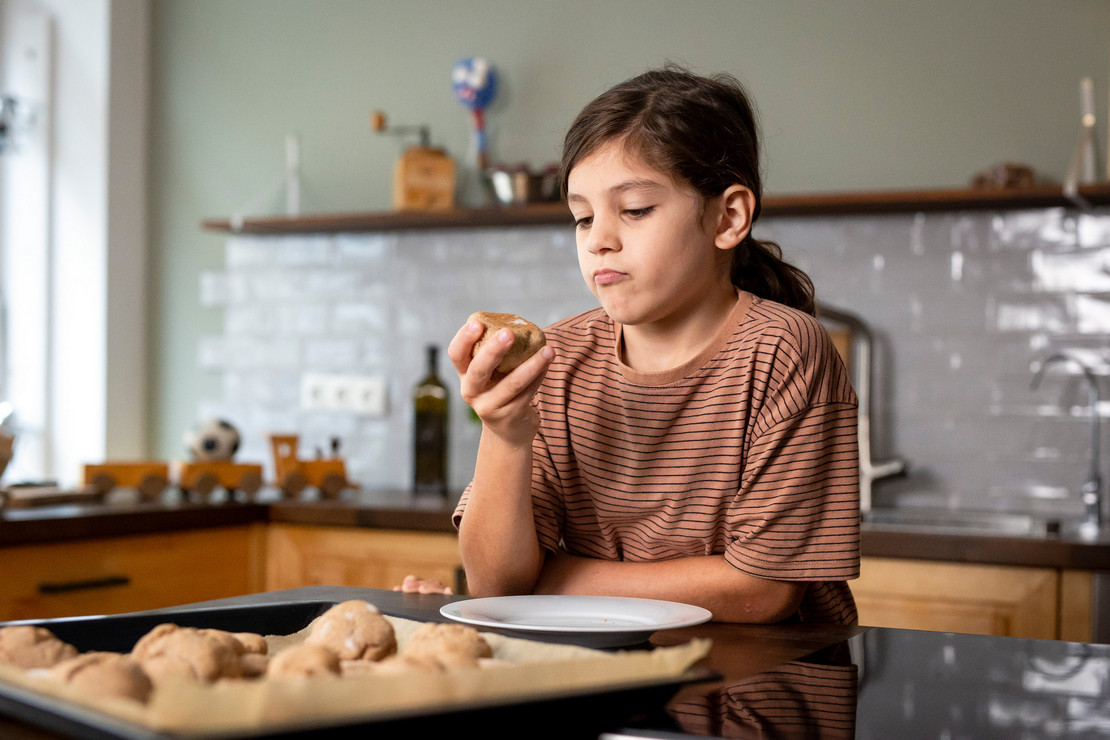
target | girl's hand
[
  {"x": 502, "y": 401},
  {"x": 416, "y": 585}
]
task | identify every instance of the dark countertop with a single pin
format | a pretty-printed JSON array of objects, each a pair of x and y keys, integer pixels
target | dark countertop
[
  {"x": 1040, "y": 551},
  {"x": 807, "y": 680},
  {"x": 59, "y": 523}
]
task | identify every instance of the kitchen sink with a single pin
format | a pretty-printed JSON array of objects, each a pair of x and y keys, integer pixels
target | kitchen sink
[{"x": 963, "y": 522}]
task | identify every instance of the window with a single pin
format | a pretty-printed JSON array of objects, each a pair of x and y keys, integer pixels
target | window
[{"x": 24, "y": 238}]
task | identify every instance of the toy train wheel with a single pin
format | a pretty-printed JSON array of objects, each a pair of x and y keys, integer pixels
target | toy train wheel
[
  {"x": 101, "y": 484},
  {"x": 294, "y": 483},
  {"x": 151, "y": 485},
  {"x": 249, "y": 483},
  {"x": 205, "y": 484},
  {"x": 331, "y": 485}
]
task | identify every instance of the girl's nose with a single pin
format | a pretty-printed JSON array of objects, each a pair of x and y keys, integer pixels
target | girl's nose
[{"x": 601, "y": 237}]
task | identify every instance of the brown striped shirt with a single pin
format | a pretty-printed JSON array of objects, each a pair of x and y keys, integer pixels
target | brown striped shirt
[{"x": 748, "y": 450}]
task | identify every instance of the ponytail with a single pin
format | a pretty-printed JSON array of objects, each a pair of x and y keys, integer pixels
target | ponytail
[{"x": 758, "y": 267}]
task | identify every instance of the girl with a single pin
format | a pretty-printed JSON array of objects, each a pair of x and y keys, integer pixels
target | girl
[{"x": 694, "y": 438}]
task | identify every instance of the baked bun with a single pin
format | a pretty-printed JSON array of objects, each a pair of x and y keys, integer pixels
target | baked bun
[
  {"x": 450, "y": 645},
  {"x": 527, "y": 337},
  {"x": 303, "y": 661},
  {"x": 354, "y": 630},
  {"x": 27, "y": 646},
  {"x": 104, "y": 674},
  {"x": 169, "y": 650}
]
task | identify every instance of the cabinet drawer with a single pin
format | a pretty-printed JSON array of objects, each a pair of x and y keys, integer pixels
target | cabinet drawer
[
  {"x": 958, "y": 597},
  {"x": 122, "y": 574},
  {"x": 302, "y": 555}
]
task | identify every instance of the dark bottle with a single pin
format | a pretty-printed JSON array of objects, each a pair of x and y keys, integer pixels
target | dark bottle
[{"x": 430, "y": 432}]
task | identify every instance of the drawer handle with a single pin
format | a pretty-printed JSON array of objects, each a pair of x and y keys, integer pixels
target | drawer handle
[{"x": 87, "y": 585}]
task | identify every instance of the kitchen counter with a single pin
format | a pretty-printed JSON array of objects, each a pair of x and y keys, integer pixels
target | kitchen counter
[
  {"x": 83, "y": 521},
  {"x": 1035, "y": 550},
  {"x": 57, "y": 523},
  {"x": 818, "y": 681}
]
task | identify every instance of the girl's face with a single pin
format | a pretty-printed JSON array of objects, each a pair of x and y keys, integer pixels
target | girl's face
[{"x": 646, "y": 246}]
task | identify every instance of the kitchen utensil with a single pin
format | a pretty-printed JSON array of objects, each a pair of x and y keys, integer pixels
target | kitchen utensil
[{"x": 424, "y": 176}]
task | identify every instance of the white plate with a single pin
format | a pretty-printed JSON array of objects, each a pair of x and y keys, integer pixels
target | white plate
[{"x": 596, "y": 621}]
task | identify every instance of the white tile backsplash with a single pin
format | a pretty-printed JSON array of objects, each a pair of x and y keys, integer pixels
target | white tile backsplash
[{"x": 961, "y": 304}]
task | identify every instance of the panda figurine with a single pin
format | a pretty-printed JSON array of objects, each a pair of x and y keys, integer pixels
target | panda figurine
[{"x": 214, "y": 439}]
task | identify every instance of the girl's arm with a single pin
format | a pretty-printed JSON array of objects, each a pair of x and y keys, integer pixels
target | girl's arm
[
  {"x": 497, "y": 534},
  {"x": 707, "y": 581}
]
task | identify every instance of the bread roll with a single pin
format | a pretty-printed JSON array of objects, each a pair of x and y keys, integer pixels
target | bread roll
[
  {"x": 104, "y": 674},
  {"x": 527, "y": 337},
  {"x": 27, "y": 646},
  {"x": 354, "y": 630}
]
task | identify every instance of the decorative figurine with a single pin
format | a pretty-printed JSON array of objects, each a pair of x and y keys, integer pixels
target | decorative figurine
[
  {"x": 475, "y": 83},
  {"x": 328, "y": 475}
]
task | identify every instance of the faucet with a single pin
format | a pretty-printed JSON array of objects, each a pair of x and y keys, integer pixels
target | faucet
[
  {"x": 863, "y": 341},
  {"x": 1092, "y": 490}
]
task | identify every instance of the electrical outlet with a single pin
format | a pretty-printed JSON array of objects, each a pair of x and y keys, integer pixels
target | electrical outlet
[
  {"x": 367, "y": 395},
  {"x": 315, "y": 391}
]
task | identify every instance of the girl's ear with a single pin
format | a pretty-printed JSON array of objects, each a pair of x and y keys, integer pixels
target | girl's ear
[{"x": 737, "y": 204}]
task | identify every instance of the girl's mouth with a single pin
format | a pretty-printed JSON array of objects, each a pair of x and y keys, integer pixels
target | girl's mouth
[{"x": 608, "y": 277}]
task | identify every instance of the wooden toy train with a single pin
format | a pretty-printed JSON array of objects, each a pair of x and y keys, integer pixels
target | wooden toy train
[{"x": 200, "y": 478}]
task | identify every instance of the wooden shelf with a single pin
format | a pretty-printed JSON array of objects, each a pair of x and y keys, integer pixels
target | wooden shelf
[{"x": 546, "y": 214}]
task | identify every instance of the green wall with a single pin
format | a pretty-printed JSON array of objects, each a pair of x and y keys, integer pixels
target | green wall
[{"x": 853, "y": 95}]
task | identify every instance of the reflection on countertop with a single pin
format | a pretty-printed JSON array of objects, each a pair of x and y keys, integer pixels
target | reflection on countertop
[
  {"x": 815, "y": 698},
  {"x": 928, "y": 684},
  {"x": 888, "y": 683}
]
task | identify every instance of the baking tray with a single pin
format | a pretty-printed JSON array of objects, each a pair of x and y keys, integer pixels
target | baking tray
[{"x": 572, "y": 714}]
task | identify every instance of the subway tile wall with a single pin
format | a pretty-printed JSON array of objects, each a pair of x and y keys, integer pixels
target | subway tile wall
[{"x": 962, "y": 306}]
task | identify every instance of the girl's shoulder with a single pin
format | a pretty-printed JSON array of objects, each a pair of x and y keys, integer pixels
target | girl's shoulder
[
  {"x": 588, "y": 331},
  {"x": 794, "y": 332}
]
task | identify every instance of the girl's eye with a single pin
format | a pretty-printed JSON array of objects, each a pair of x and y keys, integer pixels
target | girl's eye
[
  {"x": 583, "y": 222},
  {"x": 639, "y": 212}
]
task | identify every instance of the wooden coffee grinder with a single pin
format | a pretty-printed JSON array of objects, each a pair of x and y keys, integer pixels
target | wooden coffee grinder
[{"x": 424, "y": 176}]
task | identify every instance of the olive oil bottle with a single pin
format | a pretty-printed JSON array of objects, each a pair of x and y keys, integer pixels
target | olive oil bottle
[{"x": 430, "y": 431}]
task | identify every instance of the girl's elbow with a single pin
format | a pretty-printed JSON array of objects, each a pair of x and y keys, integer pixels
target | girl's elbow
[
  {"x": 480, "y": 587},
  {"x": 776, "y": 604},
  {"x": 486, "y": 579}
]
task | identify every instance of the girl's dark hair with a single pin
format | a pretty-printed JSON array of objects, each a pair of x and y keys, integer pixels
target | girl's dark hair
[{"x": 701, "y": 131}]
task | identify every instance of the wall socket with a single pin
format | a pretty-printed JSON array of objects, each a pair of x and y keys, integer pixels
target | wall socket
[{"x": 367, "y": 395}]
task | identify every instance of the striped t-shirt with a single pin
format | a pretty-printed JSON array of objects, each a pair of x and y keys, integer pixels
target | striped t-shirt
[{"x": 749, "y": 450}]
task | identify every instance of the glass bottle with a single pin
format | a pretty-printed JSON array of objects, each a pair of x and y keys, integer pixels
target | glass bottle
[{"x": 430, "y": 432}]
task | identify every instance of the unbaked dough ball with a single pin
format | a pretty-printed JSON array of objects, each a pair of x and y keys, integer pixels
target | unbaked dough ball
[
  {"x": 170, "y": 650},
  {"x": 449, "y": 644},
  {"x": 27, "y": 646},
  {"x": 102, "y": 674},
  {"x": 304, "y": 660},
  {"x": 354, "y": 630}
]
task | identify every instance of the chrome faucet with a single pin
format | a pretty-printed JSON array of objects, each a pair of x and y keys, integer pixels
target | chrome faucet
[
  {"x": 863, "y": 341},
  {"x": 1092, "y": 489}
]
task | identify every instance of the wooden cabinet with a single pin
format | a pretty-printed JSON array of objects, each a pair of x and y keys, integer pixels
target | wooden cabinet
[
  {"x": 112, "y": 575},
  {"x": 971, "y": 598},
  {"x": 305, "y": 555}
]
